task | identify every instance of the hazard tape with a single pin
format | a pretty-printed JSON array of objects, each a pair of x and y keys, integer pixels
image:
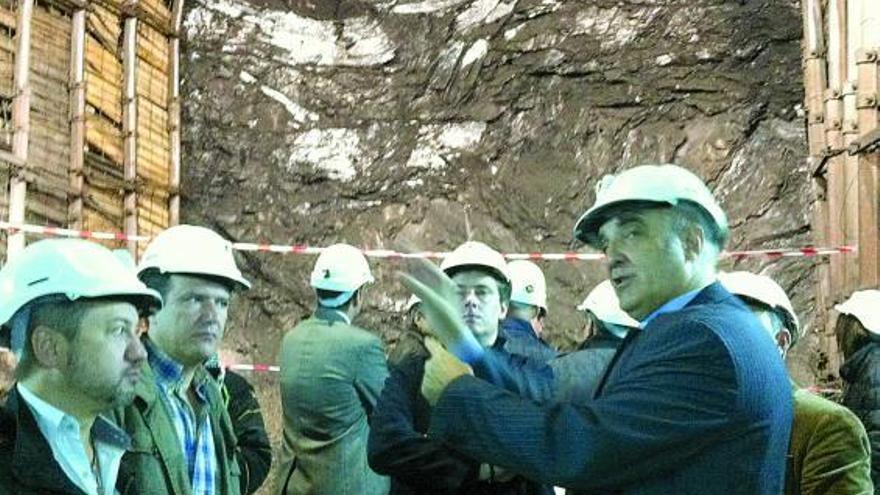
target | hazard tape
[
  {"x": 390, "y": 254},
  {"x": 256, "y": 368}
]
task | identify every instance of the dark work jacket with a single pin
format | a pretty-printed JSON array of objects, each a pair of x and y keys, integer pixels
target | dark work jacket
[
  {"x": 698, "y": 402},
  {"x": 861, "y": 371},
  {"x": 254, "y": 451},
  {"x": 27, "y": 464},
  {"x": 520, "y": 338},
  {"x": 398, "y": 447},
  {"x": 576, "y": 374}
]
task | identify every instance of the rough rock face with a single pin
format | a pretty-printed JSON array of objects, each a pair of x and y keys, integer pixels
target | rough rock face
[{"x": 424, "y": 122}]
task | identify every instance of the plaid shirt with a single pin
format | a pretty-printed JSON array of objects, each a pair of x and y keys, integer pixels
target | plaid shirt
[{"x": 193, "y": 427}]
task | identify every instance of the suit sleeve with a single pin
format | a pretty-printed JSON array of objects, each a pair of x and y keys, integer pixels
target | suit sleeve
[
  {"x": 838, "y": 458},
  {"x": 396, "y": 447},
  {"x": 668, "y": 404},
  {"x": 372, "y": 370},
  {"x": 254, "y": 450},
  {"x": 518, "y": 374}
]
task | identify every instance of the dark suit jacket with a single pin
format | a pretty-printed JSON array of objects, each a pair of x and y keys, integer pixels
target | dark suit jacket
[
  {"x": 698, "y": 402},
  {"x": 520, "y": 339},
  {"x": 27, "y": 464}
]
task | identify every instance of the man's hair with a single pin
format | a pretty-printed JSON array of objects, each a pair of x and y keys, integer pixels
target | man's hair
[
  {"x": 64, "y": 317},
  {"x": 161, "y": 282},
  {"x": 851, "y": 335},
  {"x": 522, "y": 308},
  {"x": 688, "y": 214},
  {"x": 504, "y": 288},
  {"x": 332, "y": 294}
]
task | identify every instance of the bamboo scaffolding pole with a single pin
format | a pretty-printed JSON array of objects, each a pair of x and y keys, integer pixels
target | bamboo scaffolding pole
[
  {"x": 129, "y": 128},
  {"x": 174, "y": 113},
  {"x": 851, "y": 189},
  {"x": 868, "y": 93},
  {"x": 77, "y": 118},
  {"x": 21, "y": 124}
]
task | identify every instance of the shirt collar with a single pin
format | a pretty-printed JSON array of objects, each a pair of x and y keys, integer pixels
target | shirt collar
[
  {"x": 169, "y": 373},
  {"x": 49, "y": 418},
  {"x": 331, "y": 315},
  {"x": 674, "y": 304}
]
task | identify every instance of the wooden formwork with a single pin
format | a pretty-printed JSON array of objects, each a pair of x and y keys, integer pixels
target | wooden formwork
[
  {"x": 842, "y": 88},
  {"x": 89, "y": 115}
]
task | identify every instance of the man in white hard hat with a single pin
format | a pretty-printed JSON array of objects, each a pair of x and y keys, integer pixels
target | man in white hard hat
[
  {"x": 72, "y": 308},
  {"x": 184, "y": 441},
  {"x": 576, "y": 374},
  {"x": 698, "y": 385},
  {"x": 858, "y": 337},
  {"x": 829, "y": 451},
  {"x": 331, "y": 374},
  {"x": 524, "y": 324},
  {"x": 398, "y": 444}
]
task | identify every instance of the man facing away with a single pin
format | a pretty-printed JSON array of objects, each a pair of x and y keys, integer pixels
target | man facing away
[
  {"x": 696, "y": 401},
  {"x": 829, "y": 452},
  {"x": 183, "y": 441},
  {"x": 524, "y": 324},
  {"x": 72, "y": 307},
  {"x": 331, "y": 374}
]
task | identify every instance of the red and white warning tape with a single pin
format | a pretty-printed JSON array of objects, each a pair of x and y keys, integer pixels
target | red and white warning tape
[
  {"x": 386, "y": 253},
  {"x": 257, "y": 368}
]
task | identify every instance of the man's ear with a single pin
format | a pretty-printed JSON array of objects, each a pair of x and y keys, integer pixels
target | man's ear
[
  {"x": 692, "y": 242},
  {"x": 50, "y": 347},
  {"x": 783, "y": 340},
  {"x": 504, "y": 307}
]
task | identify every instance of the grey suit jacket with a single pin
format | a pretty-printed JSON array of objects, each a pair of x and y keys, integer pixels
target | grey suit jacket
[{"x": 331, "y": 376}]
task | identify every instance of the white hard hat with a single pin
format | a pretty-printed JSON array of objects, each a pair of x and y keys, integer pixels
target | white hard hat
[
  {"x": 527, "y": 283},
  {"x": 341, "y": 268},
  {"x": 192, "y": 250},
  {"x": 603, "y": 303},
  {"x": 762, "y": 289},
  {"x": 477, "y": 254},
  {"x": 73, "y": 269},
  {"x": 863, "y": 305},
  {"x": 652, "y": 183}
]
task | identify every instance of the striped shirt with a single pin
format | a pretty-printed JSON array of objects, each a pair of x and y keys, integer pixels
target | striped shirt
[{"x": 193, "y": 426}]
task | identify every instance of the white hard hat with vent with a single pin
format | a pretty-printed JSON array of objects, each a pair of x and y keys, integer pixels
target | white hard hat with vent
[
  {"x": 603, "y": 303},
  {"x": 669, "y": 184},
  {"x": 863, "y": 305},
  {"x": 764, "y": 290},
  {"x": 72, "y": 269},
  {"x": 527, "y": 282},
  {"x": 341, "y": 268},
  {"x": 192, "y": 250},
  {"x": 476, "y": 254}
]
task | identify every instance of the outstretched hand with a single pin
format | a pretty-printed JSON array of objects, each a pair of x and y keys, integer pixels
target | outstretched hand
[{"x": 441, "y": 307}]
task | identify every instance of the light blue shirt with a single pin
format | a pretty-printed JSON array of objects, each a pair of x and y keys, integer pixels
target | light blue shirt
[
  {"x": 671, "y": 306},
  {"x": 61, "y": 431}
]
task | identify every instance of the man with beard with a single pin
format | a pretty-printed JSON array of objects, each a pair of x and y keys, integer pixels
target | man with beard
[
  {"x": 183, "y": 439},
  {"x": 696, "y": 400},
  {"x": 72, "y": 308}
]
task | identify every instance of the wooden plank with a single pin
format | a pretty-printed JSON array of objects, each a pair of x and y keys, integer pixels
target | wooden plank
[
  {"x": 174, "y": 114},
  {"x": 851, "y": 192},
  {"x": 77, "y": 118},
  {"x": 868, "y": 92},
  {"x": 129, "y": 127},
  {"x": 835, "y": 192},
  {"x": 21, "y": 122}
]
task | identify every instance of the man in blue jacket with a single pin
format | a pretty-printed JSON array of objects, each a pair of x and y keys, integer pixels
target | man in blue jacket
[
  {"x": 524, "y": 324},
  {"x": 696, "y": 401}
]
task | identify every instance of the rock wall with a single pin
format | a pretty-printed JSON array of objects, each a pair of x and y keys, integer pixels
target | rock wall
[{"x": 426, "y": 122}]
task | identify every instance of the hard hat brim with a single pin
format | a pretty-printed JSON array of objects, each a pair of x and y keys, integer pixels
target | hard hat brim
[{"x": 586, "y": 229}]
